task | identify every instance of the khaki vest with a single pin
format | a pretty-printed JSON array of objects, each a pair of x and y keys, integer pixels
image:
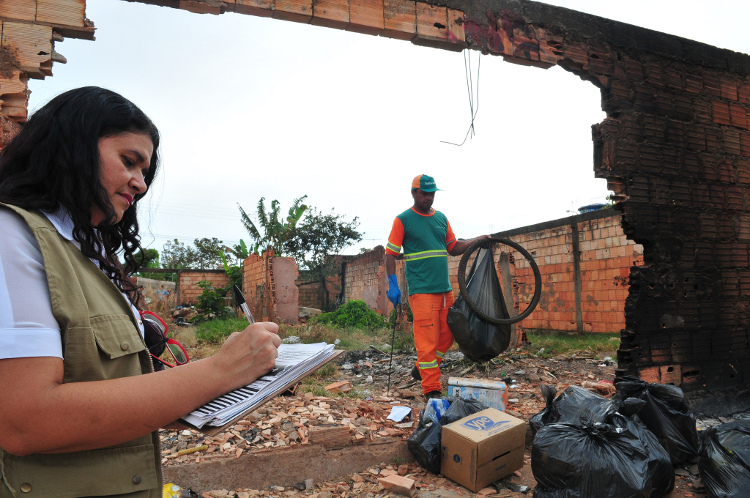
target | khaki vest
[{"x": 100, "y": 340}]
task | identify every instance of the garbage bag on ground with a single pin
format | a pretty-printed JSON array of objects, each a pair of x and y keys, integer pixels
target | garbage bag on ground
[
  {"x": 572, "y": 406},
  {"x": 666, "y": 414},
  {"x": 479, "y": 340},
  {"x": 620, "y": 458},
  {"x": 724, "y": 461},
  {"x": 424, "y": 442}
]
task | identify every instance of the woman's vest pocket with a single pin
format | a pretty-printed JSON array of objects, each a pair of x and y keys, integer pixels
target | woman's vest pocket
[{"x": 105, "y": 472}]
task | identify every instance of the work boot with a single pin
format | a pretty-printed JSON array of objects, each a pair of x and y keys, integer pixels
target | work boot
[
  {"x": 433, "y": 394},
  {"x": 415, "y": 374}
]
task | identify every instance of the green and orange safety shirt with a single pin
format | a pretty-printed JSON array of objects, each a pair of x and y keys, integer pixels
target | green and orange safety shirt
[{"x": 426, "y": 240}]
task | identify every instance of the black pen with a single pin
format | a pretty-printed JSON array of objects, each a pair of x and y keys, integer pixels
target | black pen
[{"x": 243, "y": 304}]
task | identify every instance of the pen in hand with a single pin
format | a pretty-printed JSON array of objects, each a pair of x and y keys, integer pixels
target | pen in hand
[{"x": 243, "y": 304}]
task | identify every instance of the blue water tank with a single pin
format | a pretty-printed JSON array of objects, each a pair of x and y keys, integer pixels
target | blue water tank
[{"x": 591, "y": 207}]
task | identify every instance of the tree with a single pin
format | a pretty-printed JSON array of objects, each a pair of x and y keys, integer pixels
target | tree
[
  {"x": 316, "y": 243},
  {"x": 175, "y": 254},
  {"x": 275, "y": 232},
  {"x": 209, "y": 253},
  {"x": 145, "y": 258}
]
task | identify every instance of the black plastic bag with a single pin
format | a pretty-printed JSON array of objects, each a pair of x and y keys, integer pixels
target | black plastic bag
[
  {"x": 424, "y": 442},
  {"x": 573, "y": 406},
  {"x": 666, "y": 414},
  {"x": 479, "y": 340},
  {"x": 617, "y": 459},
  {"x": 724, "y": 461}
]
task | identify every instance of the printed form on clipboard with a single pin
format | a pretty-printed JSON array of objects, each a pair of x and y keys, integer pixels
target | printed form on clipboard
[{"x": 294, "y": 362}]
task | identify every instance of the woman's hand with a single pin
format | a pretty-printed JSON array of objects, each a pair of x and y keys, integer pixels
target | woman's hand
[{"x": 249, "y": 354}]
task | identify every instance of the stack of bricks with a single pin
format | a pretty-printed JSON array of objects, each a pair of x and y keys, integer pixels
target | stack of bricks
[{"x": 28, "y": 32}]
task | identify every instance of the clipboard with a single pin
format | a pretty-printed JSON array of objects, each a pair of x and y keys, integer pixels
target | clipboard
[{"x": 210, "y": 430}]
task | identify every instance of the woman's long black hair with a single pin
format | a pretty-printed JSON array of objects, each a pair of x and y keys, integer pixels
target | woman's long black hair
[{"x": 53, "y": 162}]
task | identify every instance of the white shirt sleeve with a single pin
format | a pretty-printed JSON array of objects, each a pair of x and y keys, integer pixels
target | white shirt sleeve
[{"x": 27, "y": 325}]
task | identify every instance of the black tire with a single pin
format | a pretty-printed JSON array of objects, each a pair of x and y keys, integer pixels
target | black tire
[{"x": 472, "y": 305}]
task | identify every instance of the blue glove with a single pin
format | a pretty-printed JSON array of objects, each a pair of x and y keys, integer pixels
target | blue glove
[{"x": 394, "y": 293}]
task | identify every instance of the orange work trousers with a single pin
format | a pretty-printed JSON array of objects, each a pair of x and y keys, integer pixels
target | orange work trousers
[{"x": 432, "y": 337}]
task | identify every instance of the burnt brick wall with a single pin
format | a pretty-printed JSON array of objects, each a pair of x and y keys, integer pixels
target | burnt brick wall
[
  {"x": 310, "y": 294},
  {"x": 675, "y": 148}
]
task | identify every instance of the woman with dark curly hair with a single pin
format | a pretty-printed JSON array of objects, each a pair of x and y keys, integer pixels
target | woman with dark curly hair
[{"x": 80, "y": 401}]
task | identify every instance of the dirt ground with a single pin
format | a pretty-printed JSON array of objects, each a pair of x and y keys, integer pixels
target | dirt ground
[{"x": 287, "y": 420}]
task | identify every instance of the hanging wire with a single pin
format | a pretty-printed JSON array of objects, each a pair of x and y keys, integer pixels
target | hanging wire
[{"x": 470, "y": 88}]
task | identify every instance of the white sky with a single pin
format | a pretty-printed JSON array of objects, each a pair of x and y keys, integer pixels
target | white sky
[{"x": 253, "y": 107}]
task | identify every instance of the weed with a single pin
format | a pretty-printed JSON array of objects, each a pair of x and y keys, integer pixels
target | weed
[
  {"x": 354, "y": 314},
  {"x": 215, "y": 331}
]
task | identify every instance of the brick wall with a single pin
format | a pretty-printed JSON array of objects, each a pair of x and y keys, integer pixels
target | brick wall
[
  {"x": 584, "y": 262},
  {"x": 365, "y": 279},
  {"x": 188, "y": 283},
  {"x": 310, "y": 294},
  {"x": 30, "y": 29},
  {"x": 268, "y": 284}
]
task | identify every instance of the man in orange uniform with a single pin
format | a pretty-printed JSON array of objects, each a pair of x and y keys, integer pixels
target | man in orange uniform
[{"x": 427, "y": 239}]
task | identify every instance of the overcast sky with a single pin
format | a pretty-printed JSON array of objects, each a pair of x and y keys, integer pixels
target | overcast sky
[{"x": 253, "y": 107}]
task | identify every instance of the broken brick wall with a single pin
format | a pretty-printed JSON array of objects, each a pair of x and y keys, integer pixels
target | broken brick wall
[
  {"x": 29, "y": 30},
  {"x": 365, "y": 279},
  {"x": 268, "y": 283}
]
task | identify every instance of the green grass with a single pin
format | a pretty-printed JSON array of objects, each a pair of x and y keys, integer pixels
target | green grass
[
  {"x": 561, "y": 343},
  {"x": 215, "y": 331},
  {"x": 350, "y": 338}
]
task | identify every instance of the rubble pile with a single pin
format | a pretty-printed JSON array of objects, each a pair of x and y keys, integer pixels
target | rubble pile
[{"x": 359, "y": 416}]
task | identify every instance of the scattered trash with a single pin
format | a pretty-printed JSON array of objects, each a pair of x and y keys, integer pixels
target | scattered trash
[
  {"x": 492, "y": 393},
  {"x": 399, "y": 413}
]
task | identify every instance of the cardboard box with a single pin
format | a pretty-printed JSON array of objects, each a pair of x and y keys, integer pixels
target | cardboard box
[
  {"x": 493, "y": 393},
  {"x": 482, "y": 448}
]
